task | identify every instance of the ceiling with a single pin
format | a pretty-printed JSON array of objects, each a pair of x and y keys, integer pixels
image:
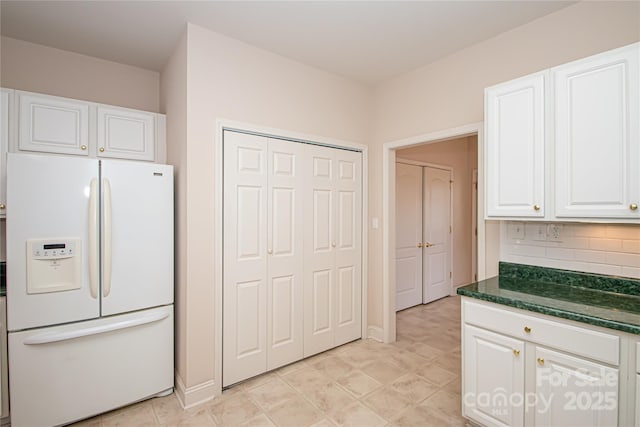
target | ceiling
[{"x": 368, "y": 41}]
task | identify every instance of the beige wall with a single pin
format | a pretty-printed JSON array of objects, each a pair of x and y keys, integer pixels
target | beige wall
[
  {"x": 232, "y": 80},
  {"x": 461, "y": 155},
  {"x": 37, "y": 68},
  {"x": 449, "y": 93},
  {"x": 173, "y": 103}
]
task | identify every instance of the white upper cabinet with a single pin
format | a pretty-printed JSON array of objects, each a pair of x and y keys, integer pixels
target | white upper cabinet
[
  {"x": 51, "y": 124},
  {"x": 6, "y": 96},
  {"x": 126, "y": 134},
  {"x": 597, "y": 138},
  {"x": 515, "y": 135},
  {"x": 564, "y": 143}
]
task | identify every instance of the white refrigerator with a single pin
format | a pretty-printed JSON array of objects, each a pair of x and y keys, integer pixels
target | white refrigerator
[{"x": 89, "y": 285}]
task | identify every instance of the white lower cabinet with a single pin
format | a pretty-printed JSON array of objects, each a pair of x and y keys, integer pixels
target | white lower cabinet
[
  {"x": 493, "y": 376},
  {"x": 511, "y": 376},
  {"x": 571, "y": 391},
  {"x": 4, "y": 371},
  {"x": 638, "y": 385}
]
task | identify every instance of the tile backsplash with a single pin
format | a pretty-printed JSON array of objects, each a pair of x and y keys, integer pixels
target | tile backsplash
[{"x": 594, "y": 248}]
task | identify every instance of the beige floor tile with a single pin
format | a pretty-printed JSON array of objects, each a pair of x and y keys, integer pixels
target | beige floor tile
[
  {"x": 357, "y": 415},
  {"x": 169, "y": 412},
  {"x": 333, "y": 367},
  {"x": 306, "y": 380},
  {"x": 383, "y": 372},
  {"x": 295, "y": 413},
  {"x": 445, "y": 401},
  {"x": 89, "y": 422},
  {"x": 358, "y": 356},
  {"x": 436, "y": 374},
  {"x": 451, "y": 361},
  {"x": 233, "y": 411},
  {"x": 329, "y": 398},
  {"x": 255, "y": 381},
  {"x": 271, "y": 394},
  {"x": 140, "y": 414},
  {"x": 325, "y": 422},
  {"x": 260, "y": 421},
  {"x": 387, "y": 402},
  {"x": 454, "y": 386},
  {"x": 358, "y": 383},
  {"x": 414, "y": 387}
]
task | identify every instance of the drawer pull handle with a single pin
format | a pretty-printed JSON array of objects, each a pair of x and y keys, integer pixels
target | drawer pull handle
[
  {"x": 540, "y": 361},
  {"x": 527, "y": 329},
  {"x": 516, "y": 352}
]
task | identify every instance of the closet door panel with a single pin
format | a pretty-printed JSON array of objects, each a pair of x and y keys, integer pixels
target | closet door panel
[
  {"x": 319, "y": 241},
  {"x": 245, "y": 257},
  {"x": 348, "y": 248},
  {"x": 285, "y": 292}
]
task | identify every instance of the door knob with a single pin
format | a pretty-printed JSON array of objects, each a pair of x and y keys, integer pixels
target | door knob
[
  {"x": 427, "y": 245},
  {"x": 269, "y": 251},
  {"x": 333, "y": 244},
  {"x": 420, "y": 245}
]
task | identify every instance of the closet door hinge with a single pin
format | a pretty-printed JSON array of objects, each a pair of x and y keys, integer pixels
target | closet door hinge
[{"x": 450, "y": 275}]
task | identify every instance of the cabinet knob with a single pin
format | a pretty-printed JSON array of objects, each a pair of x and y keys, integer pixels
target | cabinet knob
[
  {"x": 269, "y": 251},
  {"x": 633, "y": 206},
  {"x": 83, "y": 147},
  {"x": 540, "y": 361},
  {"x": 333, "y": 244},
  {"x": 516, "y": 352},
  {"x": 527, "y": 329},
  {"x": 2, "y": 206},
  {"x": 536, "y": 207},
  {"x": 427, "y": 245},
  {"x": 101, "y": 149},
  {"x": 419, "y": 245}
]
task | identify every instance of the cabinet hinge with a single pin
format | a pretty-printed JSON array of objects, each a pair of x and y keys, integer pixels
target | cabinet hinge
[
  {"x": 450, "y": 229},
  {"x": 475, "y": 277},
  {"x": 450, "y": 275}
]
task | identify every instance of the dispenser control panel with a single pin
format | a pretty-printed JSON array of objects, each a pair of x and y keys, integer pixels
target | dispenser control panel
[{"x": 53, "y": 265}]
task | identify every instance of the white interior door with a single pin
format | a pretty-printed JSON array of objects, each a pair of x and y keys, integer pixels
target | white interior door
[
  {"x": 137, "y": 219},
  {"x": 245, "y": 257},
  {"x": 285, "y": 253},
  {"x": 333, "y": 248},
  {"x": 319, "y": 260},
  {"x": 348, "y": 246},
  {"x": 408, "y": 235},
  {"x": 437, "y": 234}
]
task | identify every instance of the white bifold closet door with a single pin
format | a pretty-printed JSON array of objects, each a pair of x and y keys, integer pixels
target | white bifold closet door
[
  {"x": 263, "y": 255},
  {"x": 332, "y": 248}
]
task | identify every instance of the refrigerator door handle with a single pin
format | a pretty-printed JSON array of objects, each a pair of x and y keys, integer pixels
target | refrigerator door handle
[
  {"x": 106, "y": 257},
  {"x": 94, "y": 272},
  {"x": 48, "y": 338}
]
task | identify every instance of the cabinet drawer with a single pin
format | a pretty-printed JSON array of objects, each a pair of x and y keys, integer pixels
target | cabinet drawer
[{"x": 553, "y": 333}]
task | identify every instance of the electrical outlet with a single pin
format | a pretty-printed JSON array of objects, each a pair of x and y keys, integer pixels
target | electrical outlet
[
  {"x": 554, "y": 232},
  {"x": 515, "y": 230},
  {"x": 540, "y": 232}
]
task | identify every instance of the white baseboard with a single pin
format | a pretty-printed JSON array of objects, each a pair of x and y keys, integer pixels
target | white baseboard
[
  {"x": 375, "y": 333},
  {"x": 195, "y": 395}
]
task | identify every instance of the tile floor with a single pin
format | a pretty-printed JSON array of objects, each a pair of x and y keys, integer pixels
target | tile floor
[{"x": 412, "y": 382}]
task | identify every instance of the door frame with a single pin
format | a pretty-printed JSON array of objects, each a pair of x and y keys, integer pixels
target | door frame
[
  {"x": 226, "y": 124},
  {"x": 451, "y": 180},
  {"x": 389, "y": 220}
]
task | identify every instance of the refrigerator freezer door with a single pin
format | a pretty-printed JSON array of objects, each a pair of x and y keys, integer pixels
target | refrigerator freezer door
[
  {"x": 65, "y": 373},
  {"x": 137, "y": 238},
  {"x": 48, "y": 199}
]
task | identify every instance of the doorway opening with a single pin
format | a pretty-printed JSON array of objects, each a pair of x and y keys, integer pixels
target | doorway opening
[{"x": 392, "y": 151}]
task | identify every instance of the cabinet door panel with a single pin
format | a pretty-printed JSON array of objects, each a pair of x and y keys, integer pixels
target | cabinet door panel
[
  {"x": 515, "y": 139},
  {"x": 574, "y": 391},
  {"x": 5, "y": 102},
  {"x": 126, "y": 134},
  {"x": 597, "y": 135},
  {"x": 493, "y": 377},
  {"x": 53, "y": 125}
]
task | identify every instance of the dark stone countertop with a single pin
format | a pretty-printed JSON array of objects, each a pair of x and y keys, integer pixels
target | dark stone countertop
[{"x": 610, "y": 302}]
